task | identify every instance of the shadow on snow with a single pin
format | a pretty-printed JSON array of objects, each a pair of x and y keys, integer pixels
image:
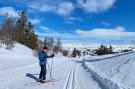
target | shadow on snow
[{"x": 32, "y": 76}]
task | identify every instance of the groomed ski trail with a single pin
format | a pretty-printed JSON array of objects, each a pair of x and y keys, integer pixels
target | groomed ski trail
[
  {"x": 68, "y": 73},
  {"x": 69, "y": 84}
]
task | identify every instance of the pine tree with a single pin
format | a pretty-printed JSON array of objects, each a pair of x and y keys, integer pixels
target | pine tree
[
  {"x": 74, "y": 52},
  {"x": 65, "y": 53},
  {"x": 25, "y": 32},
  {"x": 21, "y": 29},
  {"x": 78, "y": 53},
  {"x": 30, "y": 37},
  {"x": 102, "y": 50},
  {"x": 110, "y": 49}
]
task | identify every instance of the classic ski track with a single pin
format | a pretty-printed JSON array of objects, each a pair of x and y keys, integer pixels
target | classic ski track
[
  {"x": 55, "y": 69},
  {"x": 16, "y": 73},
  {"x": 70, "y": 79}
]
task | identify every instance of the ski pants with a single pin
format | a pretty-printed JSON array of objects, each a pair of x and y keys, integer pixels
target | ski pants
[{"x": 42, "y": 72}]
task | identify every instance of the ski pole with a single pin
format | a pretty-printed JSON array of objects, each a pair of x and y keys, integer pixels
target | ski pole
[
  {"x": 51, "y": 70},
  {"x": 52, "y": 65},
  {"x": 50, "y": 74}
]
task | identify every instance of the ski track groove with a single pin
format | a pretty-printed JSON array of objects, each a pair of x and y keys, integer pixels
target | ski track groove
[
  {"x": 70, "y": 79},
  {"x": 106, "y": 58},
  {"x": 104, "y": 83},
  {"x": 123, "y": 64}
]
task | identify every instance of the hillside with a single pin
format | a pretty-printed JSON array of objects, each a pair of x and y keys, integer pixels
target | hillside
[{"x": 19, "y": 56}]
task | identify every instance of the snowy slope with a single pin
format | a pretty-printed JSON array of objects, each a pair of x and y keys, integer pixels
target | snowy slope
[
  {"x": 114, "y": 72},
  {"x": 19, "y": 69},
  {"x": 19, "y": 56}
]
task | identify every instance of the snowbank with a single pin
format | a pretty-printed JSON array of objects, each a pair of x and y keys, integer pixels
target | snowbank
[
  {"x": 115, "y": 72},
  {"x": 19, "y": 56}
]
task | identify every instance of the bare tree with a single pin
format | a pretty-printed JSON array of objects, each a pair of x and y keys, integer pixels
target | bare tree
[
  {"x": 7, "y": 32},
  {"x": 53, "y": 44},
  {"x": 58, "y": 46}
]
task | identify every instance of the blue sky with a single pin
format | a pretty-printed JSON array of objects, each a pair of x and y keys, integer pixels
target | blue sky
[{"x": 81, "y": 21}]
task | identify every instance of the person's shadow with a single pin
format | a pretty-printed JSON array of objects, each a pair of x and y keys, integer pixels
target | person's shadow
[{"x": 32, "y": 76}]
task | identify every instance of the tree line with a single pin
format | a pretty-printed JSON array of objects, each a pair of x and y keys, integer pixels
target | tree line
[
  {"x": 54, "y": 44},
  {"x": 20, "y": 30}
]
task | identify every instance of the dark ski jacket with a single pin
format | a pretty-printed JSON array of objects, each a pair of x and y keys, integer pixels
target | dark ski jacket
[{"x": 42, "y": 56}]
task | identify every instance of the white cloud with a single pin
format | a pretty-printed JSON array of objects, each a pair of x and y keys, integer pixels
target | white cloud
[
  {"x": 56, "y": 34},
  {"x": 10, "y": 10},
  {"x": 45, "y": 29},
  {"x": 63, "y": 8},
  {"x": 114, "y": 33},
  {"x": 41, "y": 7},
  {"x": 95, "y": 6},
  {"x": 105, "y": 24},
  {"x": 117, "y": 33},
  {"x": 72, "y": 19},
  {"x": 97, "y": 35},
  {"x": 35, "y": 21}
]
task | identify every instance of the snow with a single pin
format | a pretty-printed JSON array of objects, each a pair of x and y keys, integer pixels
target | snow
[
  {"x": 117, "y": 48},
  {"x": 17, "y": 57},
  {"x": 19, "y": 69},
  {"x": 117, "y": 70},
  {"x": 71, "y": 46}
]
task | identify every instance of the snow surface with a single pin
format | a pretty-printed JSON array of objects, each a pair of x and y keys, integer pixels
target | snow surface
[
  {"x": 19, "y": 69},
  {"x": 117, "y": 48},
  {"x": 115, "y": 72}
]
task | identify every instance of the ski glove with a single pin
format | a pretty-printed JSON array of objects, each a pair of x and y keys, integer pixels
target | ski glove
[{"x": 52, "y": 55}]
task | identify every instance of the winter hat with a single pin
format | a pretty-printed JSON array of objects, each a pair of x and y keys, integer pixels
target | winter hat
[{"x": 45, "y": 48}]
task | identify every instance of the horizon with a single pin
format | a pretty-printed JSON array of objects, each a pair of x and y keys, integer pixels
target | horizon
[{"x": 78, "y": 21}]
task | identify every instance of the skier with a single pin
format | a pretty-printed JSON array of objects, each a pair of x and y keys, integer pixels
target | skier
[{"x": 42, "y": 56}]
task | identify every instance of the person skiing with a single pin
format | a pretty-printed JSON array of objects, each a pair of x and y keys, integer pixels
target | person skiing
[{"x": 42, "y": 56}]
